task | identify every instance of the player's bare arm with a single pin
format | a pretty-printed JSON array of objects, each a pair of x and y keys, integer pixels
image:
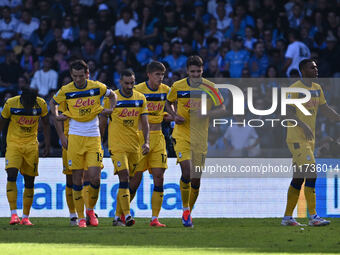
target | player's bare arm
[
  {"x": 146, "y": 133},
  {"x": 55, "y": 113},
  {"x": 113, "y": 100},
  {"x": 46, "y": 131},
  {"x": 3, "y": 122},
  {"x": 177, "y": 118},
  {"x": 102, "y": 124},
  {"x": 329, "y": 112},
  {"x": 59, "y": 126},
  {"x": 291, "y": 114}
]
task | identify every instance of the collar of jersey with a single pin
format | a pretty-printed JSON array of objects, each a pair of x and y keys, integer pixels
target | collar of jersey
[
  {"x": 304, "y": 84},
  {"x": 147, "y": 84},
  {"x": 78, "y": 87},
  {"x": 123, "y": 95}
]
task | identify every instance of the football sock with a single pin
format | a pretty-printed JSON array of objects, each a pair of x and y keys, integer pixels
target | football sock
[
  {"x": 194, "y": 191},
  {"x": 86, "y": 194},
  {"x": 28, "y": 200},
  {"x": 157, "y": 200},
  {"x": 93, "y": 196},
  {"x": 78, "y": 200},
  {"x": 124, "y": 197},
  {"x": 292, "y": 199},
  {"x": 69, "y": 199},
  {"x": 12, "y": 194},
  {"x": 310, "y": 197},
  {"x": 185, "y": 191}
]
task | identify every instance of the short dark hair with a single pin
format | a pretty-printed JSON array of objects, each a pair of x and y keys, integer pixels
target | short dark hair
[
  {"x": 29, "y": 97},
  {"x": 304, "y": 62},
  {"x": 194, "y": 61},
  {"x": 79, "y": 64},
  {"x": 126, "y": 73},
  {"x": 155, "y": 66}
]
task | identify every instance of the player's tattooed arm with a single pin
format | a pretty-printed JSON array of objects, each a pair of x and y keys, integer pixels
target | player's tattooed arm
[
  {"x": 329, "y": 112},
  {"x": 291, "y": 114}
]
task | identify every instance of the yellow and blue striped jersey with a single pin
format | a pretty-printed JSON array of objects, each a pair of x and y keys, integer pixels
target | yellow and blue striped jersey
[
  {"x": 296, "y": 134},
  {"x": 188, "y": 100},
  {"x": 123, "y": 124},
  {"x": 155, "y": 100},
  {"x": 82, "y": 104},
  {"x": 23, "y": 125}
]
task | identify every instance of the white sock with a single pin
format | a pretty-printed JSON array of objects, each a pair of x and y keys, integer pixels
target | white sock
[
  {"x": 89, "y": 209},
  {"x": 185, "y": 208},
  {"x": 154, "y": 217},
  {"x": 24, "y": 216},
  {"x": 13, "y": 212},
  {"x": 117, "y": 217},
  {"x": 126, "y": 216},
  {"x": 73, "y": 215}
]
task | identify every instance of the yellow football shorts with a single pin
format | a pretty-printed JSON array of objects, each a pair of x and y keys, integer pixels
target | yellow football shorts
[
  {"x": 24, "y": 157},
  {"x": 157, "y": 156},
  {"x": 83, "y": 152},
  {"x": 302, "y": 152},
  {"x": 125, "y": 160},
  {"x": 185, "y": 151}
]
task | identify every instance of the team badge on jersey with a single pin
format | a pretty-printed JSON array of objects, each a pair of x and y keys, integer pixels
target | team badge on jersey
[
  {"x": 6, "y": 162},
  {"x": 180, "y": 154},
  {"x": 137, "y": 103},
  {"x": 119, "y": 164},
  {"x": 34, "y": 112},
  {"x": 308, "y": 157},
  {"x": 70, "y": 163},
  {"x": 91, "y": 92}
]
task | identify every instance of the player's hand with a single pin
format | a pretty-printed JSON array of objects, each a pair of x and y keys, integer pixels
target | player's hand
[
  {"x": 167, "y": 118},
  {"x": 64, "y": 142},
  {"x": 179, "y": 119},
  {"x": 61, "y": 117},
  {"x": 308, "y": 132},
  {"x": 145, "y": 148},
  {"x": 107, "y": 112},
  {"x": 46, "y": 151}
]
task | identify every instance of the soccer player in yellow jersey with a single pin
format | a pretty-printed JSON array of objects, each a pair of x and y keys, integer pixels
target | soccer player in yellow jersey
[
  {"x": 23, "y": 113},
  {"x": 83, "y": 102},
  {"x": 300, "y": 141},
  {"x": 124, "y": 145},
  {"x": 156, "y": 160},
  {"x": 66, "y": 170},
  {"x": 191, "y": 129}
]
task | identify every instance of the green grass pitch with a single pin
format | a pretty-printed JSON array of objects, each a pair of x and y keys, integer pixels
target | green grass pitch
[{"x": 209, "y": 236}]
